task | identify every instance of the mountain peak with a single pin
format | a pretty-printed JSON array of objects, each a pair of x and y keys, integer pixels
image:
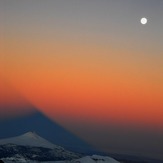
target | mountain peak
[
  {"x": 45, "y": 128},
  {"x": 31, "y": 134},
  {"x": 30, "y": 147},
  {"x": 29, "y": 139}
]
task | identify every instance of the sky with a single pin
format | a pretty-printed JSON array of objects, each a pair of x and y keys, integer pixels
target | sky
[{"x": 89, "y": 65}]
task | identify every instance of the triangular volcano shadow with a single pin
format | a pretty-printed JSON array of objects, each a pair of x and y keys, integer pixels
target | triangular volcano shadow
[{"x": 44, "y": 127}]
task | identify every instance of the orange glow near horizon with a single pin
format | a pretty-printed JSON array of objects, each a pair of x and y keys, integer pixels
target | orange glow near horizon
[
  {"x": 85, "y": 77},
  {"x": 80, "y": 88}
]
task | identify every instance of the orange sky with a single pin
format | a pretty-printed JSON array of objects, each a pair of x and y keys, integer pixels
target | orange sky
[
  {"x": 74, "y": 80},
  {"x": 89, "y": 65}
]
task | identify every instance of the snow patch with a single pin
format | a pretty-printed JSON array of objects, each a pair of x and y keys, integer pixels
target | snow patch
[{"x": 29, "y": 139}]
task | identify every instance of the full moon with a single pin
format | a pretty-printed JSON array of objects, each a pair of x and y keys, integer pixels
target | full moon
[{"x": 143, "y": 21}]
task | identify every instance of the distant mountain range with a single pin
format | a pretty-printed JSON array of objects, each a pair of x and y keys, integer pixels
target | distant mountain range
[{"x": 30, "y": 148}]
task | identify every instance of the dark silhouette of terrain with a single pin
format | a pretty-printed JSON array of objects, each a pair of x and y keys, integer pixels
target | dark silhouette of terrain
[{"x": 46, "y": 128}]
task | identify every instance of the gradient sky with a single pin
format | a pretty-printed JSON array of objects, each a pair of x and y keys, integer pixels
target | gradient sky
[{"x": 90, "y": 65}]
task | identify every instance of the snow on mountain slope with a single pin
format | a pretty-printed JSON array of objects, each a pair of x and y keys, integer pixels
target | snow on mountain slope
[
  {"x": 97, "y": 159},
  {"x": 91, "y": 159},
  {"x": 29, "y": 139},
  {"x": 31, "y": 147}
]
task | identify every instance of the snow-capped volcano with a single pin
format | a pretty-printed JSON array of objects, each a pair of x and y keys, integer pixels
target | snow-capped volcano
[
  {"x": 29, "y": 139},
  {"x": 32, "y": 147}
]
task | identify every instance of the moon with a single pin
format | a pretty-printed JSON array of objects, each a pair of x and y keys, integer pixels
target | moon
[{"x": 143, "y": 21}]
